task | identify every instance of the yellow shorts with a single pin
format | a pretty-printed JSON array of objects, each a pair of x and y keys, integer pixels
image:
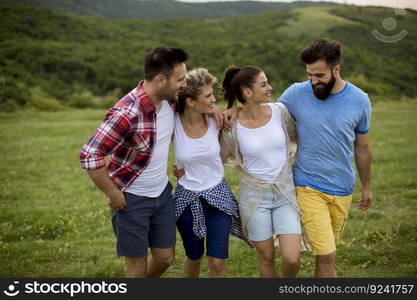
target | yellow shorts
[{"x": 323, "y": 218}]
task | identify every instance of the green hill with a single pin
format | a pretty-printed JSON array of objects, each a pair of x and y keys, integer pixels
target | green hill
[
  {"x": 162, "y": 9},
  {"x": 58, "y": 55}
]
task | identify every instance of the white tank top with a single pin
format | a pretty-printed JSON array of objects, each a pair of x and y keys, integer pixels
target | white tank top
[
  {"x": 152, "y": 181},
  {"x": 200, "y": 157},
  {"x": 263, "y": 149}
]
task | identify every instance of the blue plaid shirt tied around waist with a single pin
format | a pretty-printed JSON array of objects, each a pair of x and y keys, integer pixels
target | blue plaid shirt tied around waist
[{"x": 220, "y": 197}]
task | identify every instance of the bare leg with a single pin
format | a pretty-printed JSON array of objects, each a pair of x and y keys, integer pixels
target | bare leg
[
  {"x": 192, "y": 267},
  {"x": 266, "y": 258},
  {"x": 159, "y": 260},
  {"x": 217, "y": 267},
  {"x": 290, "y": 247},
  {"x": 325, "y": 266},
  {"x": 136, "y": 267}
]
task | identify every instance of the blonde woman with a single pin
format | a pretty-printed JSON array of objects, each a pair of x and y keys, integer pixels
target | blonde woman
[{"x": 206, "y": 209}]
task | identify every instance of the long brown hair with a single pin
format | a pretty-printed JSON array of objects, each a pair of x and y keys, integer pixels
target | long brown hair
[{"x": 235, "y": 79}]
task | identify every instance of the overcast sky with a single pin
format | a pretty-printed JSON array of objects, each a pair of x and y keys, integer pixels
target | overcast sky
[{"x": 390, "y": 3}]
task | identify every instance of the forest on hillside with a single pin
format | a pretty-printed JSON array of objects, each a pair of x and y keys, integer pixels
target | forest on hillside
[
  {"x": 164, "y": 9},
  {"x": 71, "y": 59}
]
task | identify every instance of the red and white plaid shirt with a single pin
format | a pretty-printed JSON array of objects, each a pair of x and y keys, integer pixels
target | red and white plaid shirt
[{"x": 127, "y": 135}]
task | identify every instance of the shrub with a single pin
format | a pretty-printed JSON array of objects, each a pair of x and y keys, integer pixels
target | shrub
[
  {"x": 45, "y": 104},
  {"x": 12, "y": 94},
  {"x": 82, "y": 100},
  {"x": 372, "y": 88},
  {"x": 109, "y": 100},
  {"x": 40, "y": 100},
  {"x": 8, "y": 106},
  {"x": 106, "y": 102}
]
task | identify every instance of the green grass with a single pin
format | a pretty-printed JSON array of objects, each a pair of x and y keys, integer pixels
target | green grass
[
  {"x": 55, "y": 222},
  {"x": 304, "y": 22}
]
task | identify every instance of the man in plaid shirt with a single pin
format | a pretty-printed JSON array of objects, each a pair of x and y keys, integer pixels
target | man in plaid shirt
[{"x": 135, "y": 134}]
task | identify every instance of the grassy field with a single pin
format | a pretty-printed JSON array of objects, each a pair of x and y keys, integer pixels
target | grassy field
[
  {"x": 55, "y": 223},
  {"x": 303, "y": 21}
]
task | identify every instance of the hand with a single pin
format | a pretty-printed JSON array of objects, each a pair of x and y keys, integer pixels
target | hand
[
  {"x": 366, "y": 200},
  {"x": 178, "y": 172},
  {"x": 230, "y": 117},
  {"x": 218, "y": 116},
  {"x": 116, "y": 200}
]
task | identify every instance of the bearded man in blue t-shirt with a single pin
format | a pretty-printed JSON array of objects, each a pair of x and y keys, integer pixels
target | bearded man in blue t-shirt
[{"x": 333, "y": 118}]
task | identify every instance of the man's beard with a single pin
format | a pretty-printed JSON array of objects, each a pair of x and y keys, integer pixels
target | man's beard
[
  {"x": 323, "y": 90},
  {"x": 169, "y": 95}
]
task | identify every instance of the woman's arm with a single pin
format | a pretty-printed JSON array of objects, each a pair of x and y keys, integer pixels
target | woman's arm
[{"x": 226, "y": 145}]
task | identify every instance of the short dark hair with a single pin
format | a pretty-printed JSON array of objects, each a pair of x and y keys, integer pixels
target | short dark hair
[
  {"x": 322, "y": 49},
  {"x": 162, "y": 60}
]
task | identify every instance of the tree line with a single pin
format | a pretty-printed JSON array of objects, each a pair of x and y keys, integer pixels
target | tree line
[{"x": 87, "y": 61}]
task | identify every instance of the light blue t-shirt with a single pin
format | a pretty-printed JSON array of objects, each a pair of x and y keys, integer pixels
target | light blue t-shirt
[{"x": 325, "y": 133}]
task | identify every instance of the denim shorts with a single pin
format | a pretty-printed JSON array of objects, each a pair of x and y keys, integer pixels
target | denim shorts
[
  {"x": 273, "y": 216},
  {"x": 218, "y": 226},
  {"x": 145, "y": 222}
]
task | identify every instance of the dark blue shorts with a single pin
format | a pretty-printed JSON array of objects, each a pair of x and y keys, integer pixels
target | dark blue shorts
[
  {"x": 145, "y": 222},
  {"x": 218, "y": 226}
]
